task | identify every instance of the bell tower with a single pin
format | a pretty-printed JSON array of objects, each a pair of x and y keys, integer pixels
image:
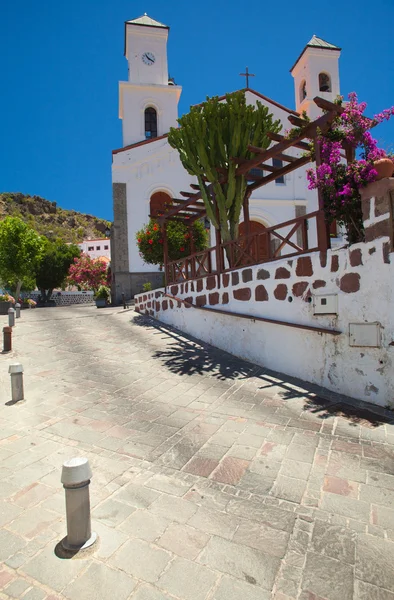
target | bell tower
[
  {"x": 316, "y": 73},
  {"x": 148, "y": 101}
]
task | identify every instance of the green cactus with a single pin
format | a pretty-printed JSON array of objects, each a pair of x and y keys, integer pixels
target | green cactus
[{"x": 207, "y": 138}]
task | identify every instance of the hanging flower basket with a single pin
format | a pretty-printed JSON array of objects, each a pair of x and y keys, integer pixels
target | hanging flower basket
[{"x": 384, "y": 167}]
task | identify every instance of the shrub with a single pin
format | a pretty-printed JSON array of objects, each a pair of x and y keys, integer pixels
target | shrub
[
  {"x": 150, "y": 241},
  {"x": 147, "y": 287}
]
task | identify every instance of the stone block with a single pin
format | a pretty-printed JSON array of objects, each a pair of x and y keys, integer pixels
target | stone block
[
  {"x": 262, "y": 537},
  {"x": 49, "y": 570},
  {"x": 378, "y": 230},
  {"x": 246, "y": 564},
  {"x": 261, "y": 294},
  {"x": 243, "y": 294},
  {"x": 288, "y": 488},
  {"x": 225, "y": 298},
  {"x": 141, "y": 560},
  {"x": 366, "y": 208},
  {"x": 225, "y": 279},
  {"x": 334, "y": 263},
  {"x": 148, "y": 592},
  {"x": 280, "y": 291},
  {"x": 173, "y": 508},
  {"x": 346, "y": 507},
  {"x": 214, "y": 298},
  {"x": 100, "y": 581},
  {"x": 183, "y": 540},
  {"x": 319, "y": 283},
  {"x": 334, "y": 541},
  {"x": 234, "y": 278},
  {"x": 187, "y": 580},
  {"x": 211, "y": 282},
  {"x": 374, "y": 561},
  {"x": 247, "y": 275},
  {"x": 355, "y": 257},
  {"x": 230, "y": 470},
  {"x": 200, "y": 285},
  {"x": 323, "y": 259},
  {"x": 201, "y": 300},
  {"x": 112, "y": 513},
  {"x": 263, "y": 274},
  {"x": 214, "y": 522},
  {"x": 234, "y": 589},
  {"x": 299, "y": 288},
  {"x": 327, "y": 578},
  {"x": 350, "y": 283},
  {"x": 145, "y": 525},
  {"x": 282, "y": 273},
  {"x": 174, "y": 290},
  {"x": 304, "y": 267}
]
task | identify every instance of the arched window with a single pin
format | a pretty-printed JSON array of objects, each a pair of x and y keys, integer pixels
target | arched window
[
  {"x": 150, "y": 123},
  {"x": 159, "y": 201},
  {"x": 302, "y": 91},
  {"x": 324, "y": 82}
]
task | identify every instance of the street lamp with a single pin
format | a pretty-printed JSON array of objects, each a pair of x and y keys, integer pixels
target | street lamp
[{"x": 107, "y": 231}]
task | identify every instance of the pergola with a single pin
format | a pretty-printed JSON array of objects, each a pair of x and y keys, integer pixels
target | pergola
[{"x": 191, "y": 207}]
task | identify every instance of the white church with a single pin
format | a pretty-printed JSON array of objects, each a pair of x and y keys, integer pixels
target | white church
[{"x": 147, "y": 172}]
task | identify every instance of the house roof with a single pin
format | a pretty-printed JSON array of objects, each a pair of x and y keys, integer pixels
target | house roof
[
  {"x": 146, "y": 21},
  {"x": 142, "y": 143},
  {"x": 316, "y": 42},
  {"x": 289, "y": 110}
]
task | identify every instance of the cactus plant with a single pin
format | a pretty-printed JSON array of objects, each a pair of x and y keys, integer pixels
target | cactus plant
[{"x": 208, "y": 137}]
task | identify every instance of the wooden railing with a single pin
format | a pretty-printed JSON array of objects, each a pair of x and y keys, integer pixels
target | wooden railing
[{"x": 252, "y": 249}]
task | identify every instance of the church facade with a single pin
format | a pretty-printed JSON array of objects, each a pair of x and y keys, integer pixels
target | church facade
[{"x": 146, "y": 171}]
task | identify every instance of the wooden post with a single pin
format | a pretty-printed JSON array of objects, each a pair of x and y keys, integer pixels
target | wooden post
[
  {"x": 165, "y": 253},
  {"x": 323, "y": 233},
  {"x": 246, "y": 213},
  {"x": 192, "y": 251}
]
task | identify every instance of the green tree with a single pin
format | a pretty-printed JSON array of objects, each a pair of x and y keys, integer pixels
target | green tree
[
  {"x": 209, "y": 136},
  {"x": 21, "y": 249},
  {"x": 54, "y": 266}
]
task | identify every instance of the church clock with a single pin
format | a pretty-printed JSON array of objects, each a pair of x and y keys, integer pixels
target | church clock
[{"x": 148, "y": 58}]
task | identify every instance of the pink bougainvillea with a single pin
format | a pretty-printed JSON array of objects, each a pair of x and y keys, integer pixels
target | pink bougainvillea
[{"x": 88, "y": 273}]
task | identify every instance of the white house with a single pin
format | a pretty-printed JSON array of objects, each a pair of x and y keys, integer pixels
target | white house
[
  {"x": 146, "y": 170},
  {"x": 100, "y": 248}
]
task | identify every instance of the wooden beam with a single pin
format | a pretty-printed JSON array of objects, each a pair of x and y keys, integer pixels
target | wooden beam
[
  {"x": 194, "y": 186},
  {"x": 322, "y": 122},
  {"x": 190, "y": 195},
  {"x": 286, "y": 157},
  {"x": 300, "y": 162},
  {"x": 279, "y": 138},
  {"x": 327, "y": 105},
  {"x": 297, "y": 121}
]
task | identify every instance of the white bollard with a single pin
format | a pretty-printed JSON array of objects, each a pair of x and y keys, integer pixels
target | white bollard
[
  {"x": 76, "y": 475},
  {"x": 16, "y": 372},
  {"x": 11, "y": 317},
  {"x": 17, "y": 310}
]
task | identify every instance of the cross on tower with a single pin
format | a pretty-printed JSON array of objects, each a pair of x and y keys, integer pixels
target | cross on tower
[{"x": 247, "y": 75}]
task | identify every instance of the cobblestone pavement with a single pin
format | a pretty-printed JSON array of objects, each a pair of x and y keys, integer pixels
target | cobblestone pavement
[{"x": 212, "y": 478}]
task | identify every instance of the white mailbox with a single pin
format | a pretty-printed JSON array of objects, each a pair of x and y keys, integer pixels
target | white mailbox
[
  {"x": 326, "y": 304},
  {"x": 364, "y": 334}
]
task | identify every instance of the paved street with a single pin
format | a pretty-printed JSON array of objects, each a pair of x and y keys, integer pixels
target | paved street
[{"x": 212, "y": 479}]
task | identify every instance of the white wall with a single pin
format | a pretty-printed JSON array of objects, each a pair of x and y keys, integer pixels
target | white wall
[
  {"x": 364, "y": 373},
  {"x": 99, "y": 248}
]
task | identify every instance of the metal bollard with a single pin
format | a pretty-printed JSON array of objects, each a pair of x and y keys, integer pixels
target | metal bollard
[
  {"x": 76, "y": 475},
  {"x": 17, "y": 310},
  {"x": 7, "y": 339},
  {"x": 124, "y": 300},
  {"x": 11, "y": 317},
  {"x": 16, "y": 372}
]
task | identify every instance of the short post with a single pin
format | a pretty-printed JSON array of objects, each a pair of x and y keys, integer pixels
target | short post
[
  {"x": 7, "y": 339},
  {"x": 11, "y": 317},
  {"x": 16, "y": 372},
  {"x": 124, "y": 300},
  {"x": 76, "y": 475},
  {"x": 17, "y": 310}
]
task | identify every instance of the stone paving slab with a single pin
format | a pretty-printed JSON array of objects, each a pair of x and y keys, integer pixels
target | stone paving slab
[{"x": 213, "y": 479}]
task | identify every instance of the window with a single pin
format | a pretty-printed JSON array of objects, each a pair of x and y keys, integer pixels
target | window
[
  {"x": 150, "y": 123},
  {"x": 278, "y": 163},
  {"x": 303, "y": 93},
  {"x": 255, "y": 174},
  {"x": 90, "y": 248},
  {"x": 98, "y": 247},
  {"x": 105, "y": 247},
  {"x": 324, "y": 82}
]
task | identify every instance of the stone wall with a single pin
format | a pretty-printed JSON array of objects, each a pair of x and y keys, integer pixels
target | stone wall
[{"x": 346, "y": 290}]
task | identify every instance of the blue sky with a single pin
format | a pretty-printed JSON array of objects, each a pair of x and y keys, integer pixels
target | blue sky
[{"x": 61, "y": 62}]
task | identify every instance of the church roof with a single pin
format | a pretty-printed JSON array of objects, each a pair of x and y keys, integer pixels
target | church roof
[
  {"x": 146, "y": 21},
  {"x": 316, "y": 42}
]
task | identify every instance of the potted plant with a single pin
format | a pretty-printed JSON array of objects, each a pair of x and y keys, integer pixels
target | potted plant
[
  {"x": 102, "y": 296},
  {"x": 6, "y": 302}
]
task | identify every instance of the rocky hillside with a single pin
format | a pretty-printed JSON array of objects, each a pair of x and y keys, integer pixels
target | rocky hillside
[{"x": 48, "y": 219}]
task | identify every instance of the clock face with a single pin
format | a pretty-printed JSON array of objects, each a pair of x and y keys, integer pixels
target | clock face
[{"x": 148, "y": 58}]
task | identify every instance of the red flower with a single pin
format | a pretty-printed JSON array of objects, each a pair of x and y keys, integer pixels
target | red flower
[
  {"x": 151, "y": 241},
  {"x": 182, "y": 249},
  {"x": 187, "y": 235},
  {"x": 155, "y": 228},
  {"x": 139, "y": 240},
  {"x": 147, "y": 232},
  {"x": 160, "y": 241}
]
